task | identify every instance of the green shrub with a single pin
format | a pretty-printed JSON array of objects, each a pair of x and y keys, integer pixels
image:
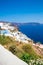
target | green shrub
[
  {"x": 13, "y": 49},
  {"x": 25, "y": 57},
  {"x": 5, "y": 40},
  {"x": 28, "y": 49}
]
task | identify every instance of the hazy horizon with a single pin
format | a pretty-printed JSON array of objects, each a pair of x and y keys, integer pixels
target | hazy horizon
[{"x": 20, "y": 22}]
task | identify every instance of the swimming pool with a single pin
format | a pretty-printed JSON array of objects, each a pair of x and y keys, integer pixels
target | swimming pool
[{"x": 4, "y": 32}]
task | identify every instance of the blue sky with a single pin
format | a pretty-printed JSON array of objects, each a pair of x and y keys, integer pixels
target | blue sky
[{"x": 21, "y": 10}]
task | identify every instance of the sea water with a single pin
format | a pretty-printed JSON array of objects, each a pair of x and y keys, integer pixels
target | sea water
[{"x": 33, "y": 31}]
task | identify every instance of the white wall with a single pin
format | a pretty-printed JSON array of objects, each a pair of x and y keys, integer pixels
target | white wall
[{"x": 7, "y": 58}]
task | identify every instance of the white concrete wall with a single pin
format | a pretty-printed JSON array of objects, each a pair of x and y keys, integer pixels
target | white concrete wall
[{"x": 7, "y": 58}]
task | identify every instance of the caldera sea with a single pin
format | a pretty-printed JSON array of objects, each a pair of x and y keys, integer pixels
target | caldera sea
[{"x": 33, "y": 31}]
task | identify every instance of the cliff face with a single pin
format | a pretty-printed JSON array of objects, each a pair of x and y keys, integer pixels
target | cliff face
[
  {"x": 19, "y": 44},
  {"x": 8, "y": 30}
]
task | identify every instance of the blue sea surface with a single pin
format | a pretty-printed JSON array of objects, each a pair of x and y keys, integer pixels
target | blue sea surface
[{"x": 33, "y": 31}]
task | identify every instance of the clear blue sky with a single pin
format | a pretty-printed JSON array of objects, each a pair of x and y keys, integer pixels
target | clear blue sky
[{"x": 21, "y": 10}]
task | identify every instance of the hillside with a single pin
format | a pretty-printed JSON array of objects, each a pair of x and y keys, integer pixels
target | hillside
[
  {"x": 24, "y": 51},
  {"x": 20, "y": 45},
  {"x": 7, "y": 58}
]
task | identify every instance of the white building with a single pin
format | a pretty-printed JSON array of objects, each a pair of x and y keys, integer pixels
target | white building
[{"x": 1, "y": 24}]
